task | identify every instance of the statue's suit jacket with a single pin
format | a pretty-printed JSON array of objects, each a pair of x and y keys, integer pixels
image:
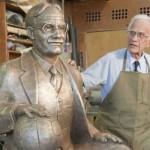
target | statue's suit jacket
[{"x": 18, "y": 84}]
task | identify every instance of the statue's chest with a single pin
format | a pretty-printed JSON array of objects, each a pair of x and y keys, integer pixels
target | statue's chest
[{"x": 58, "y": 104}]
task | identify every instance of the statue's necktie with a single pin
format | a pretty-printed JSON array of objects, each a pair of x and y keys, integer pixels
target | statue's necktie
[
  {"x": 53, "y": 80},
  {"x": 136, "y": 64}
]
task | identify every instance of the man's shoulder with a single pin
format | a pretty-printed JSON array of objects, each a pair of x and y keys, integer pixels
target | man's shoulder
[
  {"x": 119, "y": 52},
  {"x": 147, "y": 55},
  {"x": 114, "y": 55}
]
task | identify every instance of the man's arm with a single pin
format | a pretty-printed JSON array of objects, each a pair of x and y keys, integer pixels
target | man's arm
[{"x": 95, "y": 133}]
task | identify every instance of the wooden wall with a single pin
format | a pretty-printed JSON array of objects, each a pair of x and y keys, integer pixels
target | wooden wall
[
  {"x": 105, "y": 15},
  {"x": 100, "y": 43},
  {"x": 93, "y": 17}
]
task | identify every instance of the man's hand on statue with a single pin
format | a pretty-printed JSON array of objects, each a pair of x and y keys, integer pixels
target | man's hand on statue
[
  {"x": 73, "y": 63},
  {"x": 104, "y": 137},
  {"x": 30, "y": 110}
]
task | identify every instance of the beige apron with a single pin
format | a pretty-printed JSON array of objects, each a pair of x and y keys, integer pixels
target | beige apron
[{"x": 125, "y": 111}]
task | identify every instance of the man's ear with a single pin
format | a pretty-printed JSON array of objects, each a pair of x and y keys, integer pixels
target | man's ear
[
  {"x": 148, "y": 43},
  {"x": 30, "y": 33}
]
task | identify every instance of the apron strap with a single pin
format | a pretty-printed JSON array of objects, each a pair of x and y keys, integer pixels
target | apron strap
[
  {"x": 125, "y": 60},
  {"x": 147, "y": 65}
]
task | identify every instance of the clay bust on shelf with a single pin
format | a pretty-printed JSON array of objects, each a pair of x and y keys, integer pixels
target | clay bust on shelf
[{"x": 40, "y": 88}]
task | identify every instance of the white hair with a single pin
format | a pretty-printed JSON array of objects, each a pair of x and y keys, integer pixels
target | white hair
[{"x": 139, "y": 17}]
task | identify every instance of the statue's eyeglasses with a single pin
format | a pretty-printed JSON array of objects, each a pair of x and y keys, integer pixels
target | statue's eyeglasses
[
  {"x": 50, "y": 28},
  {"x": 140, "y": 35}
]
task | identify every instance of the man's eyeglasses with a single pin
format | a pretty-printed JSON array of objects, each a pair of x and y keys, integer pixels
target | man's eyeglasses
[
  {"x": 50, "y": 28},
  {"x": 140, "y": 35}
]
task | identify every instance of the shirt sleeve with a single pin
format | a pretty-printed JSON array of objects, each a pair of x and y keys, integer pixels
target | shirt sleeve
[{"x": 96, "y": 74}]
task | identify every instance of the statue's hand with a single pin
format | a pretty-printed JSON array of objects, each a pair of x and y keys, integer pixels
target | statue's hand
[
  {"x": 29, "y": 110},
  {"x": 104, "y": 137}
]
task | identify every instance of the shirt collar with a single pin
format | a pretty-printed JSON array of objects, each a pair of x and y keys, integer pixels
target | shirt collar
[
  {"x": 131, "y": 60},
  {"x": 45, "y": 66}
]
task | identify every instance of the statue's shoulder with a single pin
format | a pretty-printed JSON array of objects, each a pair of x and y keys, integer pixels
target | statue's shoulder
[
  {"x": 17, "y": 61},
  {"x": 14, "y": 65},
  {"x": 9, "y": 64},
  {"x": 73, "y": 70},
  {"x": 75, "y": 74}
]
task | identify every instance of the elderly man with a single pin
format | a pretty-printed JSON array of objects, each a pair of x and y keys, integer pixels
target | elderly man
[
  {"x": 40, "y": 103},
  {"x": 124, "y": 78}
]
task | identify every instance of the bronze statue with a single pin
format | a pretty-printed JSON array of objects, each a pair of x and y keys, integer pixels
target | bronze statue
[{"x": 41, "y": 106}]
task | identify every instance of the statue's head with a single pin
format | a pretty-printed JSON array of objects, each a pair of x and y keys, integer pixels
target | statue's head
[
  {"x": 46, "y": 28},
  {"x": 38, "y": 133}
]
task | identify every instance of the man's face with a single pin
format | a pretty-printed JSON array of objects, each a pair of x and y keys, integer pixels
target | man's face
[
  {"x": 138, "y": 37},
  {"x": 49, "y": 33}
]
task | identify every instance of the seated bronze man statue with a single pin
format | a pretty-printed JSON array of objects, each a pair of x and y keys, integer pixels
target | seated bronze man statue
[{"x": 41, "y": 105}]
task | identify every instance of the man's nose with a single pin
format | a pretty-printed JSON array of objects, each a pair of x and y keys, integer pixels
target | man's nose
[{"x": 57, "y": 33}]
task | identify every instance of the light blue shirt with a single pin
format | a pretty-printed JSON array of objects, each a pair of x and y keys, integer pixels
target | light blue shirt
[{"x": 106, "y": 70}]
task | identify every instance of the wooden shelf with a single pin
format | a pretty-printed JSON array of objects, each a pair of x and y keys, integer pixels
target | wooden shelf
[
  {"x": 13, "y": 7},
  {"x": 17, "y": 31},
  {"x": 20, "y": 32},
  {"x": 21, "y": 41},
  {"x": 13, "y": 54},
  {"x": 16, "y": 26}
]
